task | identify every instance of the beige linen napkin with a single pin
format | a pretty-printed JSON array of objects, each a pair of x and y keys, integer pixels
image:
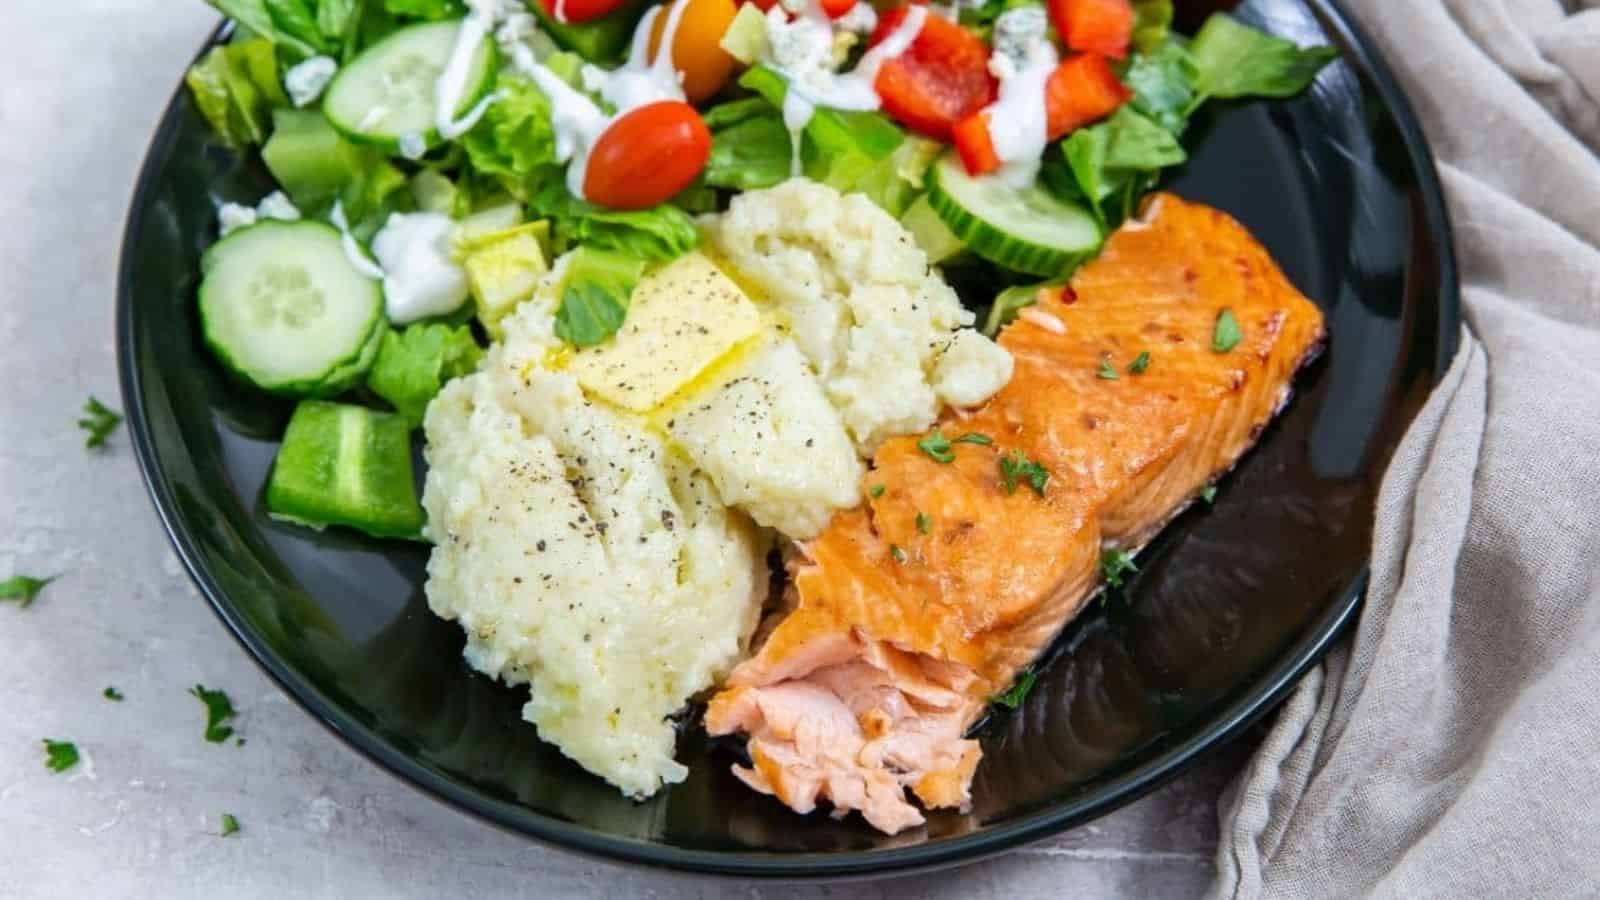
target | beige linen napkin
[{"x": 1452, "y": 749}]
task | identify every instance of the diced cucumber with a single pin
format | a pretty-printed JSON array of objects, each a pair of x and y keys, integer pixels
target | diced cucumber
[
  {"x": 503, "y": 270},
  {"x": 1025, "y": 229},
  {"x": 433, "y": 192},
  {"x": 315, "y": 166},
  {"x": 932, "y": 235},
  {"x": 281, "y": 306},
  {"x": 483, "y": 224},
  {"x": 387, "y": 92},
  {"x": 346, "y": 465},
  {"x": 746, "y": 38},
  {"x": 601, "y": 41}
]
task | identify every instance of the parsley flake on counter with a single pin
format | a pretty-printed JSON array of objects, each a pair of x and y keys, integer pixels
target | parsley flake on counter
[
  {"x": 99, "y": 422},
  {"x": 1226, "y": 335},
  {"x": 1114, "y": 564},
  {"x": 924, "y": 523},
  {"x": 60, "y": 756},
  {"x": 1012, "y": 698},
  {"x": 113, "y": 694},
  {"x": 1016, "y": 466},
  {"x": 1209, "y": 494},
  {"x": 898, "y": 554},
  {"x": 219, "y": 709},
  {"x": 1139, "y": 364},
  {"x": 23, "y": 588},
  {"x": 1107, "y": 370},
  {"x": 938, "y": 446},
  {"x": 876, "y": 490},
  {"x": 230, "y": 825}
]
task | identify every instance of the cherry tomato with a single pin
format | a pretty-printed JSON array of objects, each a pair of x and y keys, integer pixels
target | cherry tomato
[
  {"x": 837, "y": 8},
  {"x": 697, "y": 46},
  {"x": 764, "y": 5},
  {"x": 1082, "y": 89},
  {"x": 975, "y": 145},
  {"x": 1094, "y": 26},
  {"x": 941, "y": 78},
  {"x": 647, "y": 156},
  {"x": 574, "y": 11}
]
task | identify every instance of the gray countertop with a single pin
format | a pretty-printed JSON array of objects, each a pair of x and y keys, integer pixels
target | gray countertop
[{"x": 82, "y": 89}]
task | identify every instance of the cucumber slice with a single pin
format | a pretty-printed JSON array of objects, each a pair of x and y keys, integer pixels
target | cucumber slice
[
  {"x": 387, "y": 92},
  {"x": 346, "y": 465},
  {"x": 1024, "y": 229},
  {"x": 283, "y": 308}
]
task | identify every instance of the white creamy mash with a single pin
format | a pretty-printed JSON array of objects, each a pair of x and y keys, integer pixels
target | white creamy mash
[{"x": 583, "y": 558}]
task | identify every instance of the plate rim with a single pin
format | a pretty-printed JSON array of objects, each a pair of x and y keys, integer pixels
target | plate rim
[{"x": 1263, "y": 696}]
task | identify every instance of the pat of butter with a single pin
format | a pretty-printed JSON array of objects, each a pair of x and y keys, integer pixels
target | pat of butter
[{"x": 681, "y": 320}]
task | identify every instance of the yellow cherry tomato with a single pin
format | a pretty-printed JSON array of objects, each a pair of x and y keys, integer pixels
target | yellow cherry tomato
[{"x": 697, "y": 47}]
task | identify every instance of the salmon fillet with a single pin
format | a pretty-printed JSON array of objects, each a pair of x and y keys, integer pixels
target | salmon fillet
[{"x": 904, "y": 617}]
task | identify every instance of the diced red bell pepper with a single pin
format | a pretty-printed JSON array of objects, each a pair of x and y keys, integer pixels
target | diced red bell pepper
[
  {"x": 837, "y": 8},
  {"x": 941, "y": 78},
  {"x": 1094, "y": 26},
  {"x": 975, "y": 145},
  {"x": 1081, "y": 90}
]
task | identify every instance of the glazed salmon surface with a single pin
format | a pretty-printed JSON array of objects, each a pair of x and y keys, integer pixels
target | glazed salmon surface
[{"x": 894, "y": 636}]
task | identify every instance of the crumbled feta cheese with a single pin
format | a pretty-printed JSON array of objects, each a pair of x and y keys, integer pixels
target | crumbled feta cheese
[
  {"x": 233, "y": 216},
  {"x": 306, "y": 81},
  {"x": 419, "y": 277},
  {"x": 861, "y": 18},
  {"x": 277, "y": 205},
  {"x": 413, "y": 146},
  {"x": 1016, "y": 33}
]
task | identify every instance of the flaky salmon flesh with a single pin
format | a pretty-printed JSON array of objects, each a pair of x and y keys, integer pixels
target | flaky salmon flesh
[{"x": 904, "y": 617}]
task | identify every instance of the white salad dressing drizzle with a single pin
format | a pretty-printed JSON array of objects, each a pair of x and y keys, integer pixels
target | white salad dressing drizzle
[
  {"x": 802, "y": 52},
  {"x": 419, "y": 277},
  {"x": 451, "y": 88},
  {"x": 352, "y": 248},
  {"x": 579, "y": 122},
  {"x": 1023, "y": 61}
]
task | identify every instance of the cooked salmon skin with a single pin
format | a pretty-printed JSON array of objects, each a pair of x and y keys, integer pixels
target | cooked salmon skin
[{"x": 905, "y": 616}]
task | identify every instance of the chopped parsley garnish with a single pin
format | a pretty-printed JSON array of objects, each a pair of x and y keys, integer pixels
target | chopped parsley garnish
[
  {"x": 938, "y": 446},
  {"x": 876, "y": 490},
  {"x": 23, "y": 588},
  {"x": 898, "y": 554},
  {"x": 1016, "y": 466},
  {"x": 99, "y": 422},
  {"x": 1139, "y": 364},
  {"x": 230, "y": 825},
  {"x": 924, "y": 523},
  {"x": 1209, "y": 494},
  {"x": 1012, "y": 698},
  {"x": 1226, "y": 335},
  {"x": 113, "y": 694},
  {"x": 1115, "y": 563},
  {"x": 60, "y": 756},
  {"x": 1107, "y": 370},
  {"x": 219, "y": 709}
]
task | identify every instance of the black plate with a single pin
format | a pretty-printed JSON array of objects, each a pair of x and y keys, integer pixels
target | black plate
[{"x": 1233, "y": 603}]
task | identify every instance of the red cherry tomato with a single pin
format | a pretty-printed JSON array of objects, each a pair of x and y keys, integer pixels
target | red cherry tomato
[
  {"x": 579, "y": 10},
  {"x": 647, "y": 156},
  {"x": 1081, "y": 90},
  {"x": 837, "y": 8},
  {"x": 941, "y": 78},
  {"x": 763, "y": 5},
  {"x": 1094, "y": 26},
  {"x": 975, "y": 145}
]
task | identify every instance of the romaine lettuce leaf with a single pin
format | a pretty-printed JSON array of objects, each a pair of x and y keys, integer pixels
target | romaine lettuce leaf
[
  {"x": 514, "y": 138},
  {"x": 429, "y": 10},
  {"x": 657, "y": 234},
  {"x": 412, "y": 365},
  {"x": 298, "y": 19},
  {"x": 1234, "y": 60},
  {"x": 1120, "y": 156},
  {"x": 256, "y": 17},
  {"x": 1163, "y": 84},
  {"x": 236, "y": 88},
  {"x": 1152, "y": 22},
  {"x": 750, "y": 153},
  {"x": 594, "y": 295}
]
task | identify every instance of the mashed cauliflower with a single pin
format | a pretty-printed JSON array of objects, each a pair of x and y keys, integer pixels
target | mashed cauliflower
[
  {"x": 862, "y": 304},
  {"x": 591, "y": 511},
  {"x": 583, "y": 557}
]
